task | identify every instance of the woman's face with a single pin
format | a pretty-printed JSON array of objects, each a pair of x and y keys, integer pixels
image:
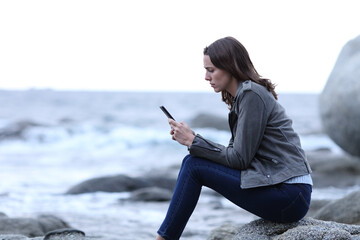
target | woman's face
[{"x": 219, "y": 79}]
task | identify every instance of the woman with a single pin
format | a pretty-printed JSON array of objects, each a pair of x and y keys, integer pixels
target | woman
[{"x": 263, "y": 169}]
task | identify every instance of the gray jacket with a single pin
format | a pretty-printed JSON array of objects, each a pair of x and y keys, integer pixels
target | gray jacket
[{"x": 263, "y": 145}]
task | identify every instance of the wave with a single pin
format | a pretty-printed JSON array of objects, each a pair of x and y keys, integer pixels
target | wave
[{"x": 86, "y": 136}]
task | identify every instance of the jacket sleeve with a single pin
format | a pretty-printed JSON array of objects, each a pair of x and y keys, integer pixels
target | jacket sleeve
[{"x": 250, "y": 129}]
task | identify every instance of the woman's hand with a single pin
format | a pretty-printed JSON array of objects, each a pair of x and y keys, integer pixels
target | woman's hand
[{"x": 181, "y": 132}]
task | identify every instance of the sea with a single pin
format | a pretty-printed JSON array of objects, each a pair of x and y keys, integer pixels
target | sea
[{"x": 52, "y": 140}]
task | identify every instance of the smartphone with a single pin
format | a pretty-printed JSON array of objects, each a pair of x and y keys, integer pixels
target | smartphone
[{"x": 167, "y": 113}]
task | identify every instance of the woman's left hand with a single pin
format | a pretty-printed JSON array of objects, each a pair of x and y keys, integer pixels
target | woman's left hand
[{"x": 181, "y": 132}]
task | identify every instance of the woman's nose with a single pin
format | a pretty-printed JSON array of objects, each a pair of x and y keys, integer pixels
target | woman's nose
[{"x": 207, "y": 77}]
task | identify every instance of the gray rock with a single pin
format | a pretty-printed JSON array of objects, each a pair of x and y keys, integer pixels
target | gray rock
[
  {"x": 2, "y": 215},
  {"x": 65, "y": 234},
  {"x": 344, "y": 210},
  {"x": 305, "y": 229},
  {"x": 118, "y": 183},
  {"x": 225, "y": 231},
  {"x": 334, "y": 170},
  {"x": 12, "y": 237},
  {"x": 316, "y": 205},
  {"x": 24, "y": 226},
  {"x": 154, "y": 194},
  {"x": 204, "y": 120},
  {"x": 30, "y": 227},
  {"x": 49, "y": 223},
  {"x": 17, "y": 129},
  {"x": 121, "y": 183},
  {"x": 314, "y": 232},
  {"x": 340, "y": 100},
  {"x": 161, "y": 182}
]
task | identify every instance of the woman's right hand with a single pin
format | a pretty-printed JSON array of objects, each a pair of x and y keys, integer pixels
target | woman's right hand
[{"x": 181, "y": 132}]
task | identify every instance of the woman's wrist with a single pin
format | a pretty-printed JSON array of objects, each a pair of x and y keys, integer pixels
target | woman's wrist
[{"x": 190, "y": 141}]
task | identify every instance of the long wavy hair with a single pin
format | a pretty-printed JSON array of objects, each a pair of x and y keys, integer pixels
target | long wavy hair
[{"x": 230, "y": 55}]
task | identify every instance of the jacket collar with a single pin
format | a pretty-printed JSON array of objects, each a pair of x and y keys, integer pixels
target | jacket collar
[{"x": 238, "y": 91}]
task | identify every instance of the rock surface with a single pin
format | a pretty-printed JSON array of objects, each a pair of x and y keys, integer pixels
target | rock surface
[
  {"x": 344, "y": 210},
  {"x": 308, "y": 228},
  {"x": 121, "y": 183},
  {"x": 31, "y": 227},
  {"x": 334, "y": 170},
  {"x": 204, "y": 120},
  {"x": 64, "y": 234},
  {"x": 154, "y": 194},
  {"x": 340, "y": 100},
  {"x": 226, "y": 231},
  {"x": 12, "y": 237},
  {"x": 316, "y": 205}
]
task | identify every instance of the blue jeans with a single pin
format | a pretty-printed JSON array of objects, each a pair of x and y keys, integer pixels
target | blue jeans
[{"x": 283, "y": 203}]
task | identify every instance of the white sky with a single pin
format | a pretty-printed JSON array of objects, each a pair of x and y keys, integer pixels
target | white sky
[{"x": 157, "y": 45}]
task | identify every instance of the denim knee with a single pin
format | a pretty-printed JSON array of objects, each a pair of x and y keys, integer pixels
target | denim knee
[{"x": 188, "y": 161}]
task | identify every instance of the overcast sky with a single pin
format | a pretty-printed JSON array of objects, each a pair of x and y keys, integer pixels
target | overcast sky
[{"x": 157, "y": 45}]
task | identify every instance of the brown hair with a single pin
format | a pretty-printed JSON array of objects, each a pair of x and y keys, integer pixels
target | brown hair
[{"x": 230, "y": 55}]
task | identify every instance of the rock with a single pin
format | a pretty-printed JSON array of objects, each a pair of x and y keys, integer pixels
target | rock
[
  {"x": 204, "y": 120},
  {"x": 316, "y": 205},
  {"x": 225, "y": 231},
  {"x": 25, "y": 226},
  {"x": 334, "y": 170},
  {"x": 17, "y": 129},
  {"x": 121, "y": 183},
  {"x": 12, "y": 237},
  {"x": 161, "y": 182},
  {"x": 340, "y": 100},
  {"x": 65, "y": 234},
  {"x": 308, "y": 228},
  {"x": 2, "y": 215},
  {"x": 30, "y": 227},
  {"x": 49, "y": 223},
  {"x": 154, "y": 194},
  {"x": 344, "y": 210},
  {"x": 118, "y": 183},
  {"x": 314, "y": 232}
]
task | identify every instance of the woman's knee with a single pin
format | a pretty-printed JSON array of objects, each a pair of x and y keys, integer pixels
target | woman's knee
[
  {"x": 186, "y": 161},
  {"x": 191, "y": 163}
]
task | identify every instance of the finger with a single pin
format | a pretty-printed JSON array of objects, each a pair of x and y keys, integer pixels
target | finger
[
  {"x": 173, "y": 123},
  {"x": 184, "y": 123}
]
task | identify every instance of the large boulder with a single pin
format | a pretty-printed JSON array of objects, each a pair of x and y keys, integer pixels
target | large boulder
[
  {"x": 31, "y": 227},
  {"x": 308, "y": 228},
  {"x": 344, "y": 210},
  {"x": 340, "y": 100},
  {"x": 121, "y": 183}
]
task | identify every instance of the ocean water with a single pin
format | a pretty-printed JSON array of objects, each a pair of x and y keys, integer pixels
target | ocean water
[{"x": 74, "y": 136}]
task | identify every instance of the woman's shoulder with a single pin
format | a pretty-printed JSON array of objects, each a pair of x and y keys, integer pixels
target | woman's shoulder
[{"x": 258, "y": 89}]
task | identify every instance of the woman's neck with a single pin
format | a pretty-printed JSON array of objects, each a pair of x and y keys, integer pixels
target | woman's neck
[{"x": 233, "y": 86}]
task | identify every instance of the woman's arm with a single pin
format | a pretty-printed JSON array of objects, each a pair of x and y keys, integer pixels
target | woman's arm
[{"x": 250, "y": 129}]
